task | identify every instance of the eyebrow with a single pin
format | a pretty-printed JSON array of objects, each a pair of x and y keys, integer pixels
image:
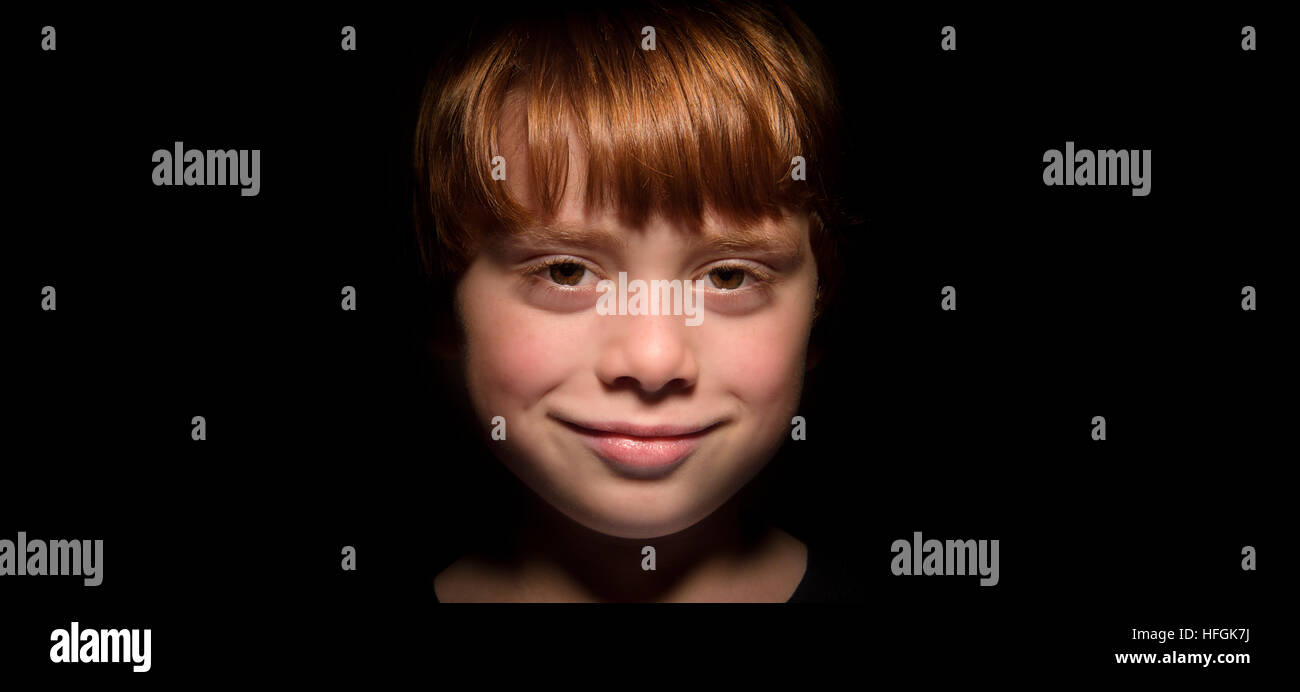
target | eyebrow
[
  {"x": 742, "y": 239},
  {"x": 558, "y": 234}
]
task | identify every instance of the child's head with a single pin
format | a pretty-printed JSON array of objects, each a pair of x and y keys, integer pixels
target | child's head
[{"x": 665, "y": 153}]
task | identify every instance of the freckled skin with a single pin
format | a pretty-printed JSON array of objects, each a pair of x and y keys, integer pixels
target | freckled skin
[{"x": 524, "y": 361}]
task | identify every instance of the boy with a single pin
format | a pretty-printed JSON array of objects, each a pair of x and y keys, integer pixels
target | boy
[{"x": 560, "y": 158}]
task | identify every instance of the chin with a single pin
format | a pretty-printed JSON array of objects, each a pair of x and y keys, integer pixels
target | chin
[
  {"x": 635, "y": 529},
  {"x": 617, "y": 519}
]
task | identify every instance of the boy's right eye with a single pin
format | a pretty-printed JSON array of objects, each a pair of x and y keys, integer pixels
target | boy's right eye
[
  {"x": 561, "y": 283},
  {"x": 563, "y": 272}
]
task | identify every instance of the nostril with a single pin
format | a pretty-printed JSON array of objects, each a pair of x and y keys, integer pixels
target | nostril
[{"x": 651, "y": 390}]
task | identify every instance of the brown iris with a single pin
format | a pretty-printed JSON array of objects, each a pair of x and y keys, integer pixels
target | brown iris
[
  {"x": 727, "y": 277},
  {"x": 567, "y": 273}
]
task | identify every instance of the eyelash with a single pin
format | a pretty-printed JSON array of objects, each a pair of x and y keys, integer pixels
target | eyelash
[
  {"x": 759, "y": 278},
  {"x": 540, "y": 269}
]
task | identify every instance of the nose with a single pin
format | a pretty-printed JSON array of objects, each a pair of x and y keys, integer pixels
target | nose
[{"x": 649, "y": 353}]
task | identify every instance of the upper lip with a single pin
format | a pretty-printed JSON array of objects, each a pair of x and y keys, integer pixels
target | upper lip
[{"x": 640, "y": 430}]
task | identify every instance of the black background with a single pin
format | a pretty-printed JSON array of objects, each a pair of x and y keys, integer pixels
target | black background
[{"x": 328, "y": 428}]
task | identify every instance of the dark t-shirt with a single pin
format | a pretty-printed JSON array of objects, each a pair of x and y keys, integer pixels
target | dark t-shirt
[{"x": 826, "y": 579}]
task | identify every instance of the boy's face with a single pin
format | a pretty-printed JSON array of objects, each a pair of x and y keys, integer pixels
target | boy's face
[{"x": 635, "y": 425}]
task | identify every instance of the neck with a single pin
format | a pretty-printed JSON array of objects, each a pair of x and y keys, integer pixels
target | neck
[{"x": 565, "y": 558}]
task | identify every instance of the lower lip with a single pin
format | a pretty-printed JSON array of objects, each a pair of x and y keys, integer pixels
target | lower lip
[{"x": 640, "y": 457}]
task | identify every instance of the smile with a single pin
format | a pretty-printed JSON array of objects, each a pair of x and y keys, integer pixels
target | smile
[{"x": 640, "y": 451}]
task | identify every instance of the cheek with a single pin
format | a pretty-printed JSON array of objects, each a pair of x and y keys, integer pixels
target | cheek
[
  {"x": 513, "y": 354},
  {"x": 761, "y": 360}
]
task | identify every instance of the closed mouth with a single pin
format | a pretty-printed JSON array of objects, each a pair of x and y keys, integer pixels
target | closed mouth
[
  {"x": 640, "y": 431},
  {"x": 640, "y": 450}
]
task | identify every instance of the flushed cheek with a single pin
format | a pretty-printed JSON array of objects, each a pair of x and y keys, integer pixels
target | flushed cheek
[
  {"x": 514, "y": 358},
  {"x": 767, "y": 373},
  {"x": 515, "y": 354}
]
